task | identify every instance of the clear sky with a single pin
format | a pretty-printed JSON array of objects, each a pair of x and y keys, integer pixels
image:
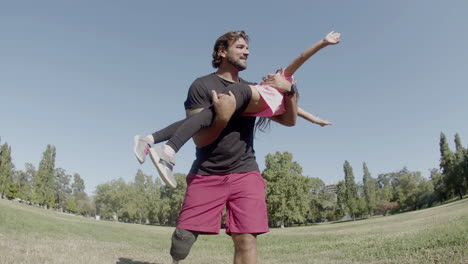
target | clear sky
[{"x": 86, "y": 76}]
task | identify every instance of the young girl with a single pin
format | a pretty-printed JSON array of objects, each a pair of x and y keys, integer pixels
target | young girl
[{"x": 251, "y": 100}]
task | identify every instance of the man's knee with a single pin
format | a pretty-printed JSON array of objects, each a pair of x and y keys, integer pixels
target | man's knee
[{"x": 182, "y": 241}]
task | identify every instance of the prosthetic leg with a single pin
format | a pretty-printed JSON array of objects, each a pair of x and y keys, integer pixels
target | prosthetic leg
[{"x": 182, "y": 241}]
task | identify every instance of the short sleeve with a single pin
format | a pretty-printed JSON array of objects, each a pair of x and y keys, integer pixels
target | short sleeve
[{"x": 197, "y": 96}]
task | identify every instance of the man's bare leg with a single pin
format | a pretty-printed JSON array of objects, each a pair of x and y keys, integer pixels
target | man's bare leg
[{"x": 245, "y": 248}]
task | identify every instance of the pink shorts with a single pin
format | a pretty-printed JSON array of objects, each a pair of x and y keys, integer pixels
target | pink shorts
[
  {"x": 273, "y": 99},
  {"x": 243, "y": 195}
]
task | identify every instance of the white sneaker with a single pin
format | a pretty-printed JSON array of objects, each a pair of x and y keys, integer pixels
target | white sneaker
[
  {"x": 165, "y": 164},
  {"x": 141, "y": 147}
]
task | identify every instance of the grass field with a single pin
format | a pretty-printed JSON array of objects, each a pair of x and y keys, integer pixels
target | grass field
[{"x": 435, "y": 235}]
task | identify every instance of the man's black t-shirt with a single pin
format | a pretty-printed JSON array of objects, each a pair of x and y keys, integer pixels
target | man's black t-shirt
[{"x": 232, "y": 151}]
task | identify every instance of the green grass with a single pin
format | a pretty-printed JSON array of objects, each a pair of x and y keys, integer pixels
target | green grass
[{"x": 435, "y": 235}]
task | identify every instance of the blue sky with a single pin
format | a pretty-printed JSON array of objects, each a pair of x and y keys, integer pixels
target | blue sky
[{"x": 86, "y": 76}]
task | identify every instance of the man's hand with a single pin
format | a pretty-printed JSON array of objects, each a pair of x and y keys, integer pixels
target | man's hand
[
  {"x": 277, "y": 81},
  {"x": 332, "y": 38},
  {"x": 224, "y": 105}
]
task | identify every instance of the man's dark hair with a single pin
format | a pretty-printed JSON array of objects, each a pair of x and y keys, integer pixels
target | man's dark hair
[{"x": 224, "y": 42}]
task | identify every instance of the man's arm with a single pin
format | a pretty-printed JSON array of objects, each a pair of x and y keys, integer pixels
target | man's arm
[
  {"x": 289, "y": 117},
  {"x": 224, "y": 105}
]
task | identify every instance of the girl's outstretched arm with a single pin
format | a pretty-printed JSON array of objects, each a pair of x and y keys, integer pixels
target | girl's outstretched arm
[
  {"x": 310, "y": 117},
  {"x": 331, "y": 38}
]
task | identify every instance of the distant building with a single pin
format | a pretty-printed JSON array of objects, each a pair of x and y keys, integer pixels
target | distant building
[{"x": 331, "y": 188}]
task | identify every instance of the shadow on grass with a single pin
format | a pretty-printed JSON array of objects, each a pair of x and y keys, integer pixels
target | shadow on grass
[{"x": 131, "y": 261}]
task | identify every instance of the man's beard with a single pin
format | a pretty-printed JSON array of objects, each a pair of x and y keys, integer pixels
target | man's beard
[{"x": 237, "y": 63}]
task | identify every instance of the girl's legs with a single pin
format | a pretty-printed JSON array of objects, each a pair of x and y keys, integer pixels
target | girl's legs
[
  {"x": 192, "y": 124},
  {"x": 163, "y": 156},
  {"x": 189, "y": 127},
  {"x": 176, "y": 138},
  {"x": 143, "y": 143},
  {"x": 166, "y": 133},
  {"x": 180, "y": 132},
  {"x": 176, "y": 134}
]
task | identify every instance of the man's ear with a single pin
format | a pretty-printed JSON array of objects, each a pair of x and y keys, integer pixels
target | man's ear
[{"x": 222, "y": 52}]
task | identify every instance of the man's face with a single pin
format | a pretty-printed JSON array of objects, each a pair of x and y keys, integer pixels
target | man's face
[{"x": 237, "y": 54}]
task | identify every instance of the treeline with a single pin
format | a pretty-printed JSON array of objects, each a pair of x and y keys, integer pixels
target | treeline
[
  {"x": 47, "y": 186},
  {"x": 296, "y": 199},
  {"x": 292, "y": 198},
  {"x": 453, "y": 180},
  {"x": 141, "y": 201}
]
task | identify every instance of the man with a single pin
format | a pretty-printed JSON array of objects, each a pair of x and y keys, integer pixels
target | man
[{"x": 225, "y": 173}]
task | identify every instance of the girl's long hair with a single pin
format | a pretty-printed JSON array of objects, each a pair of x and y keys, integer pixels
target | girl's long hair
[{"x": 262, "y": 124}]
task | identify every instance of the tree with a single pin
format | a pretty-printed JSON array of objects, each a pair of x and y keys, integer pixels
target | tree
[
  {"x": 44, "y": 182},
  {"x": 62, "y": 187},
  {"x": 315, "y": 209},
  {"x": 460, "y": 170},
  {"x": 12, "y": 190},
  {"x": 78, "y": 184},
  {"x": 407, "y": 189},
  {"x": 328, "y": 205},
  {"x": 121, "y": 198},
  {"x": 426, "y": 195},
  {"x": 116, "y": 200},
  {"x": 153, "y": 198},
  {"x": 448, "y": 166},
  {"x": 84, "y": 205},
  {"x": 24, "y": 180},
  {"x": 141, "y": 196},
  {"x": 361, "y": 206},
  {"x": 340, "y": 199},
  {"x": 370, "y": 189},
  {"x": 70, "y": 204},
  {"x": 106, "y": 204},
  {"x": 384, "y": 206},
  {"x": 323, "y": 203},
  {"x": 110, "y": 199},
  {"x": 172, "y": 200},
  {"x": 128, "y": 198},
  {"x": 6, "y": 170},
  {"x": 287, "y": 189},
  {"x": 440, "y": 190},
  {"x": 351, "y": 190},
  {"x": 465, "y": 166}
]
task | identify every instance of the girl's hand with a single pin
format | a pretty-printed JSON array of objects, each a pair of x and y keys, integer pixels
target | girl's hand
[
  {"x": 277, "y": 81},
  {"x": 332, "y": 38},
  {"x": 323, "y": 123}
]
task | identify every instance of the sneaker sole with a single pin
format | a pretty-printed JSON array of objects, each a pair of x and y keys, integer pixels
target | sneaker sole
[
  {"x": 155, "y": 158},
  {"x": 135, "y": 142}
]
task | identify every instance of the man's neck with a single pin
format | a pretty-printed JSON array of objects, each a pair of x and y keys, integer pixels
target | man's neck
[{"x": 231, "y": 75}]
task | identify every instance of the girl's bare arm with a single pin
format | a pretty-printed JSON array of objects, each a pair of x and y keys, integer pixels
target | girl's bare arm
[
  {"x": 311, "y": 118},
  {"x": 331, "y": 38}
]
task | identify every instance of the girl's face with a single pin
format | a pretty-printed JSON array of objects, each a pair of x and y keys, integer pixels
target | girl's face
[{"x": 279, "y": 71}]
